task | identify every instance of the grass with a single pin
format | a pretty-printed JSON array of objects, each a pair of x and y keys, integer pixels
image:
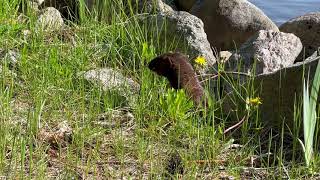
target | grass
[
  {"x": 44, "y": 89},
  {"x": 310, "y": 115}
]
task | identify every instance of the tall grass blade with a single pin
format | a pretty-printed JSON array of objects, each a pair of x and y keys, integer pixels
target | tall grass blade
[{"x": 309, "y": 114}]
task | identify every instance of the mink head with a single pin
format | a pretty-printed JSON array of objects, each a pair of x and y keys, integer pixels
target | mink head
[
  {"x": 170, "y": 63},
  {"x": 177, "y": 69},
  {"x": 161, "y": 65}
]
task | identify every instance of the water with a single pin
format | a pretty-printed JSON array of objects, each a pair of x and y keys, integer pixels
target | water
[{"x": 281, "y": 11}]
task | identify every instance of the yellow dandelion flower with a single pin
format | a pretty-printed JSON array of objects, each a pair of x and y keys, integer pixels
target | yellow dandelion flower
[
  {"x": 200, "y": 60},
  {"x": 254, "y": 101}
]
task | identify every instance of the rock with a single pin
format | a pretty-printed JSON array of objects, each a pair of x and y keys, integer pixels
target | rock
[
  {"x": 224, "y": 56},
  {"x": 8, "y": 61},
  {"x": 307, "y": 28},
  {"x": 279, "y": 91},
  {"x": 116, "y": 117},
  {"x": 50, "y": 20},
  {"x": 163, "y": 7},
  {"x": 26, "y": 34},
  {"x": 64, "y": 129},
  {"x": 272, "y": 50},
  {"x": 110, "y": 79},
  {"x": 229, "y": 23},
  {"x": 284, "y": 86},
  {"x": 7, "y": 73},
  {"x": 61, "y": 135},
  {"x": 10, "y": 56},
  {"x": 185, "y": 5},
  {"x": 184, "y": 28},
  {"x": 148, "y": 6},
  {"x": 39, "y": 1},
  {"x": 225, "y": 176},
  {"x": 13, "y": 57}
]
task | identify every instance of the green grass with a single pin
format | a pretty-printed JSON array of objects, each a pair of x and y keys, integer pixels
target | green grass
[
  {"x": 46, "y": 90},
  {"x": 310, "y": 115}
]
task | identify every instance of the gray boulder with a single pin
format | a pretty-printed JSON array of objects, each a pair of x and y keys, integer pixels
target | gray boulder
[
  {"x": 148, "y": 6},
  {"x": 12, "y": 57},
  {"x": 110, "y": 79},
  {"x": 38, "y": 1},
  {"x": 224, "y": 56},
  {"x": 281, "y": 90},
  {"x": 280, "y": 93},
  {"x": 307, "y": 28},
  {"x": 163, "y": 7},
  {"x": 114, "y": 118},
  {"x": 185, "y": 29},
  {"x": 50, "y": 20},
  {"x": 269, "y": 51},
  {"x": 229, "y": 23}
]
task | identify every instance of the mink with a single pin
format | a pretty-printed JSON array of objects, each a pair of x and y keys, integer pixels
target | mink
[{"x": 177, "y": 69}]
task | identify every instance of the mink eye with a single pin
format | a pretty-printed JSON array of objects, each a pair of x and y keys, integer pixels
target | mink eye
[{"x": 153, "y": 67}]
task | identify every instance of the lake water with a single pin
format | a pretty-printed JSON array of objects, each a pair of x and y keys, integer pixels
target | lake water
[{"x": 281, "y": 11}]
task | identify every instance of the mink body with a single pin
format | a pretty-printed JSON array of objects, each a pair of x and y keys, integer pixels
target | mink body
[{"x": 176, "y": 68}]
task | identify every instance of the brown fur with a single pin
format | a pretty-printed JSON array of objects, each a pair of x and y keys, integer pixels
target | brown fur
[{"x": 176, "y": 68}]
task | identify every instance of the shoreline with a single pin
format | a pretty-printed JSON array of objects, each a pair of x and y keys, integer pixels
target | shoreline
[{"x": 282, "y": 11}]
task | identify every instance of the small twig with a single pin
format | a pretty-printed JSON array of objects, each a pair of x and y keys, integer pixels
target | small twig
[
  {"x": 234, "y": 126},
  {"x": 226, "y": 72},
  {"x": 213, "y": 76},
  {"x": 210, "y": 75}
]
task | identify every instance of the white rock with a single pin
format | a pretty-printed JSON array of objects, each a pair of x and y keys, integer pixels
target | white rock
[
  {"x": 50, "y": 20},
  {"x": 271, "y": 50},
  {"x": 187, "y": 30},
  {"x": 110, "y": 79},
  {"x": 307, "y": 28}
]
